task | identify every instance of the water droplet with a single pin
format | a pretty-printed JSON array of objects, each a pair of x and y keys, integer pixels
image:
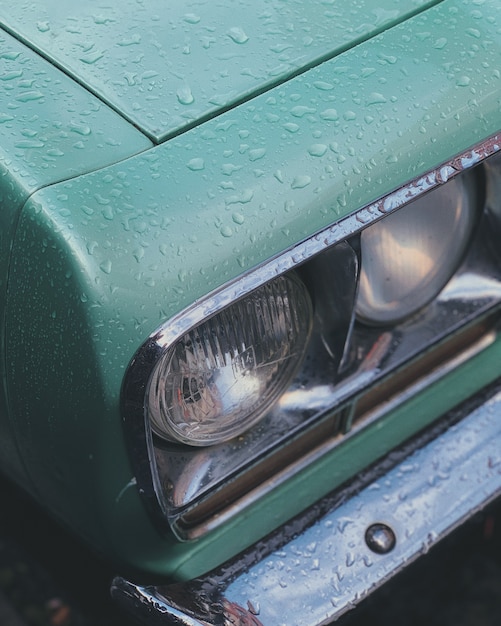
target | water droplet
[
  {"x": 108, "y": 213},
  {"x": 191, "y": 18},
  {"x": 493, "y": 462},
  {"x": 27, "y": 144},
  {"x": 257, "y": 153},
  {"x": 253, "y": 607},
  {"x": 29, "y": 96},
  {"x": 330, "y": 115},
  {"x": 238, "y": 218},
  {"x": 291, "y": 128},
  {"x": 317, "y": 149},
  {"x": 228, "y": 168},
  {"x": 323, "y": 86},
  {"x": 80, "y": 129},
  {"x": 300, "y": 182},
  {"x": 196, "y": 164},
  {"x": 473, "y": 32},
  {"x": 105, "y": 266},
  {"x": 463, "y": 81},
  {"x": 43, "y": 27},
  {"x": 440, "y": 43},
  {"x": 300, "y": 111},
  {"x": 367, "y": 71},
  {"x": 376, "y": 98},
  {"x": 238, "y": 35},
  {"x": 245, "y": 197},
  {"x": 138, "y": 254},
  {"x": 342, "y": 523},
  {"x": 101, "y": 19},
  {"x": 387, "y": 58},
  {"x": 226, "y": 231},
  {"x": 278, "y": 48},
  {"x": 11, "y": 75},
  {"x": 184, "y": 95},
  {"x": 103, "y": 201},
  {"x": 92, "y": 57},
  {"x": 91, "y": 246},
  {"x": 134, "y": 40},
  {"x": 9, "y": 56}
]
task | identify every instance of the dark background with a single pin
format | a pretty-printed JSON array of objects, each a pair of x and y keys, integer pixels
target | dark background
[{"x": 49, "y": 579}]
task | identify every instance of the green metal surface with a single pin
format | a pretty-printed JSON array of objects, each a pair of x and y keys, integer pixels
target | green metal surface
[
  {"x": 166, "y": 66},
  {"x": 51, "y": 129},
  {"x": 119, "y": 251}
]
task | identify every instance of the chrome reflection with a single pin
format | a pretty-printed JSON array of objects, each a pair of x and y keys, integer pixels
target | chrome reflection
[{"x": 308, "y": 574}]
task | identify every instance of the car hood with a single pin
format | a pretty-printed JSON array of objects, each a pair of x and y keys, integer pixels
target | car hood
[{"x": 166, "y": 66}]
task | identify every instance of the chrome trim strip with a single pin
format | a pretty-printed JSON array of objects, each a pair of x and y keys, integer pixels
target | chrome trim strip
[{"x": 327, "y": 568}]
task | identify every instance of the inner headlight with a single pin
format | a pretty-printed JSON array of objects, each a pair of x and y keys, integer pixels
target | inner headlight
[
  {"x": 409, "y": 256},
  {"x": 222, "y": 376}
]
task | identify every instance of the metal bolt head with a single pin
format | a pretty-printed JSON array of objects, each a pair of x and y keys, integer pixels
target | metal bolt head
[{"x": 380, "y": 538}]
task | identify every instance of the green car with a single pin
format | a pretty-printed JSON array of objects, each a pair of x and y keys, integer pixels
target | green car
[{"x": 250, "y": 280}]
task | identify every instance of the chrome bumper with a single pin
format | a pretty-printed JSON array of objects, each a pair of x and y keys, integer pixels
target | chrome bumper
[{"x": 309, "y": 573}]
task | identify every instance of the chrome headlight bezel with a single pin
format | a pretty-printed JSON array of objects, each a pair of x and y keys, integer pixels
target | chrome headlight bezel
[{"x": 165, "y": 471}]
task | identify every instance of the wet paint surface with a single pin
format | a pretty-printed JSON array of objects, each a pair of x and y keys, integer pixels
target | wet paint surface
[
  {"x": 123, "y": 250},
  {"x": 165, "y": 67},
  {"x": 51, "y": 129}
]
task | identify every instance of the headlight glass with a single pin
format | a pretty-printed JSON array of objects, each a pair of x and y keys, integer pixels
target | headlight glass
[
  {"x": 409, "y": 256},
  {"x": 223, "y": 375}
]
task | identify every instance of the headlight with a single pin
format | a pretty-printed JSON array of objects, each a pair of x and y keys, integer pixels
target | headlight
[
  {"x": 408, "y": 257},
  {"x": 223, "y": 375},
  {"x": 255, "y": 351}
]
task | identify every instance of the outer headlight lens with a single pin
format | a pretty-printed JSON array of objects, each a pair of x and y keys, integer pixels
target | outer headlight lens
[
  {"x": 222, "y": 376},
  {"x": 409, "y": 256}
]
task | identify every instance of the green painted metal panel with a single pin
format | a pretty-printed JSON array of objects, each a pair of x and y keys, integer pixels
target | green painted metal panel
[
  {"x": 167, "y": 66},
  {"x": 51, "y": 129},
  {"x": 121, "y": 250}
]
